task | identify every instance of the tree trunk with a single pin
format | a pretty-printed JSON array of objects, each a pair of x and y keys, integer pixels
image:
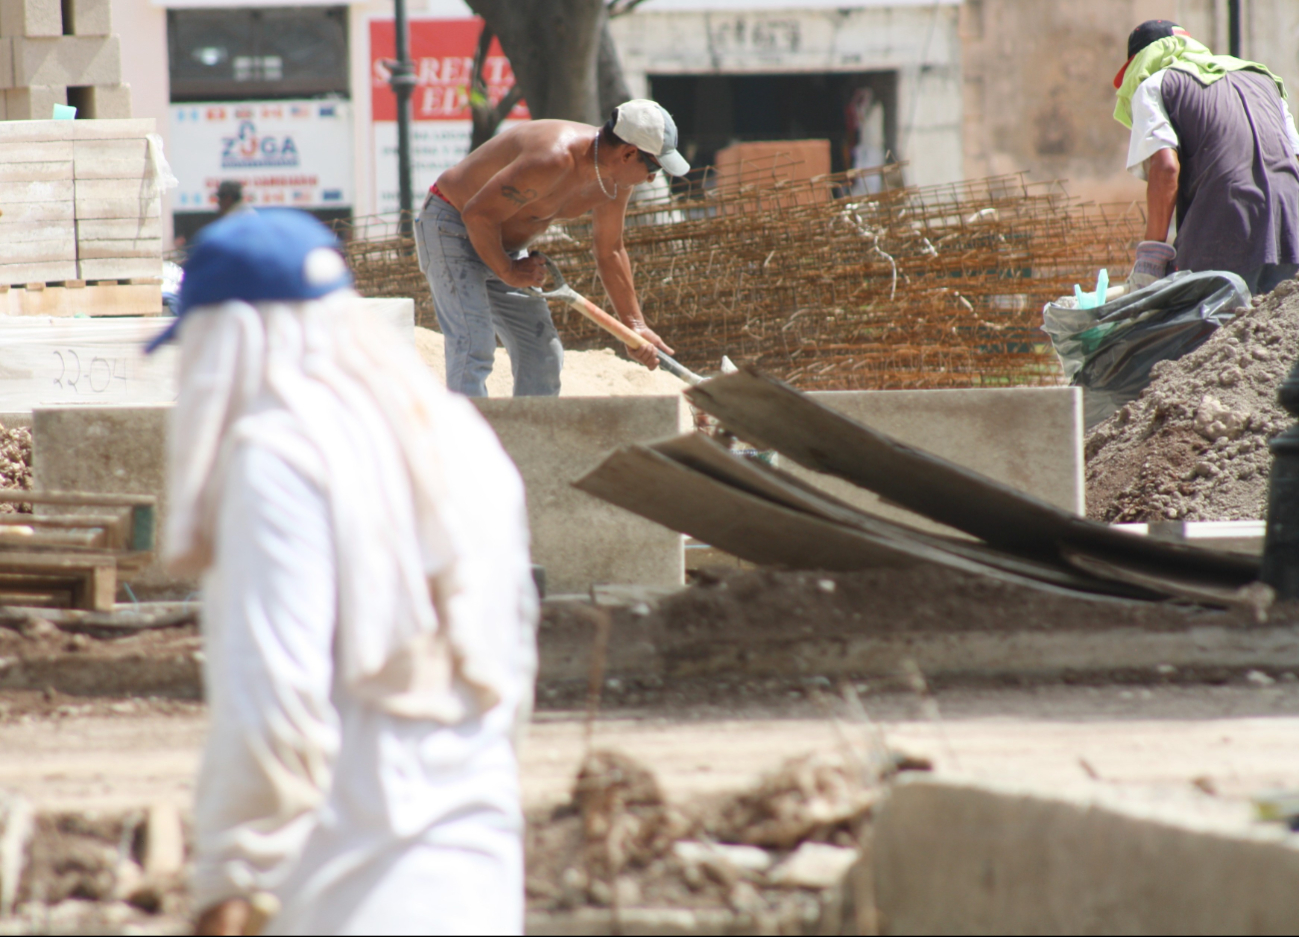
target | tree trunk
[
  {"x": 553, "y": 47},
  {"x": 486, "y": 116},
  {"x": 613, "y": 88}
]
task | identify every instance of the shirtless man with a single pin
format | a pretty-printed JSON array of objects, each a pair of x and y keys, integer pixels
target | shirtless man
[{"x": 480, "y": 216}]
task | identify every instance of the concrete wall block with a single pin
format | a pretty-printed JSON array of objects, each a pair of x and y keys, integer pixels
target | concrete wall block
[
  {"x": 31, "y": 18},
  {"x": 107, "y": 101},
  {"x": 579, "y": 539},
  {"x": 68, "y": 60},
  {"x": 6, "y": 64},
  {"x": 107, "y": 450},
  {"x": 1029, "y": 438},
  {"x": 963, "y": 857},
  {"x": 34, "y": 102},
  {"x": 89, "y": 17}
]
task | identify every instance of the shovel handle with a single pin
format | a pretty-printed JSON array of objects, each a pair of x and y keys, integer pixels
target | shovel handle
[{"x": 616, "y": 327}]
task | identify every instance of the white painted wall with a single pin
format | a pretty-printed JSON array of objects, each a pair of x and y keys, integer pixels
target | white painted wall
[
  {"x": 143, "y": 31},
  {"x": 920, "y": 42}
]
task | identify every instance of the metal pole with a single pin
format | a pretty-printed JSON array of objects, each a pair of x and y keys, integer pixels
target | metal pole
[
  {"x": 1281, "y": 543},
  {"x": 1233, "y": 28},
  {"x": 402, "y": 81}
]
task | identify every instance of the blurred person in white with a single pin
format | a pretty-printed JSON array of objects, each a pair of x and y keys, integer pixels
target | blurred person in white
[{"x": 368, "y": 607}]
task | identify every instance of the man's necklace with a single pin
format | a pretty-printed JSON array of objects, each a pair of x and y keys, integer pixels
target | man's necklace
[{"x": 597, "y": 172}]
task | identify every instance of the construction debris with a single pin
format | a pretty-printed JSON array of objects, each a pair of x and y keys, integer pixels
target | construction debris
[
  {"x": 16, "y": 465},
  {"x": 764, "y": 854},
  {"x": 1025, "y": 540},
  {"x": 1193, "y": 446},
  {"x": 939, "y": 286}
]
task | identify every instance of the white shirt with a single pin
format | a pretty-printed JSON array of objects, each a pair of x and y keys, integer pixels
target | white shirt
[{"x": 1152, "y": 131}]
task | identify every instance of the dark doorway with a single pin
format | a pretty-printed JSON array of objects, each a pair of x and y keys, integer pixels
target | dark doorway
[{"x": 714, "y": 111}]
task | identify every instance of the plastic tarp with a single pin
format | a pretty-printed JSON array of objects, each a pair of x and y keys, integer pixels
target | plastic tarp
[{"x": 1109, "y": 350}]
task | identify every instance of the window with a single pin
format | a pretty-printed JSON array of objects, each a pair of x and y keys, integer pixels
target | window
[{"x": 244, "y": 54}]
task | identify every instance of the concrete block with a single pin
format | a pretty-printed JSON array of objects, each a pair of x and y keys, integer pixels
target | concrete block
[
  {"x": 6, "y": 64},
  {"x": 48, "y": 361},
  {"x": 579, "y": 539},
  {"x": 88, "y": 17},
  {"x": 108, "y": 450},
  {"x": 34, "y": 102},
  {"x": 1029, "y": 438},
  {"x": 31, "y": 18},
  {"x": 97, "y": 102},
  {"x": 67, "y": 60},
  {"x": 963, "y": 857}
]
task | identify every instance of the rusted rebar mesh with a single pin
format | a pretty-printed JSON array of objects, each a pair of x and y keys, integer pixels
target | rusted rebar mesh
[{"x": 825, "y": 283}]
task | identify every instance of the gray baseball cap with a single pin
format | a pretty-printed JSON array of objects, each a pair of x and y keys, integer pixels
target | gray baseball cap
[{"x": 647, "y": 126}]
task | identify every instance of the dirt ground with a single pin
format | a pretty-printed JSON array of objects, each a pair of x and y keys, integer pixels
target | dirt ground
[{"x": 108, "y": 759}]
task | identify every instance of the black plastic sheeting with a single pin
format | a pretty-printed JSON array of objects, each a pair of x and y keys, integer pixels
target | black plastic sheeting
[{"x": 1109, "y": 350}]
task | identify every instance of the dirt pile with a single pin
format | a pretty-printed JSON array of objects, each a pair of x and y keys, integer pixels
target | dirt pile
[
  {"x": 15, "y": 464},
  {"x": 1193, "y": 446},
  {"x": 599, "y": 373}
]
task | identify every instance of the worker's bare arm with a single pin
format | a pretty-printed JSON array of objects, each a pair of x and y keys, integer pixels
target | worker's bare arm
[
  {"x": 1161, "y": 193},
  {"x": 505, "y": 196},
  {"x": 614, "y": 267}
]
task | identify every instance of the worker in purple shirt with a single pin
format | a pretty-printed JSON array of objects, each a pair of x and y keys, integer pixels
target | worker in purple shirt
[{"x": 1214, "y": 139}]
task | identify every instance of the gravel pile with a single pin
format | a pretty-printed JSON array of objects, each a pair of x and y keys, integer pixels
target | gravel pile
[
  {"x": 1193, "y": 446},
  {"x": 15, "y": 464}
]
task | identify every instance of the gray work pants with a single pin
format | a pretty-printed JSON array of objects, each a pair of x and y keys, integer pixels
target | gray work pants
[
  {"x": 474, "y": 306},
  {"x": 1265, "y": 279}
]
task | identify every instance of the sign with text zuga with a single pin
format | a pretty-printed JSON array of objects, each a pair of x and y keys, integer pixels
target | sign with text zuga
[
  {"x": 286, "y": 153},
  {"x": 443, "y": 53}
]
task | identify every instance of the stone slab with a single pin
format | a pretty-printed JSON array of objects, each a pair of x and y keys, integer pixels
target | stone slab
[
  {"x": 968, "y": 857},
  {"x": 579, "y": 539},
  {"x": 1029, "y": 438},
  {"x": 59, "y": 361}
]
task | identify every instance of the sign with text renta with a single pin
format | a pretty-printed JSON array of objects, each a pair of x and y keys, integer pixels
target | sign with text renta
[
  {"x": 294, "y": 153},
  {"x": 443, "y": 53}
]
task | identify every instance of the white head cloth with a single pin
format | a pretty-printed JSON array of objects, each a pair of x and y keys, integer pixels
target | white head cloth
[{"x": 357, "y": 413}]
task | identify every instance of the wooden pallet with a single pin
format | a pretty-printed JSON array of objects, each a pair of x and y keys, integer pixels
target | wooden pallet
[
  {"x": 72, "y": 559},
  {"x": 138, "y": 297}
]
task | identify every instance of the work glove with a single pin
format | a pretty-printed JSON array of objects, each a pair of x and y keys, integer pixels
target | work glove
[{"x": 1153, "y": 258}]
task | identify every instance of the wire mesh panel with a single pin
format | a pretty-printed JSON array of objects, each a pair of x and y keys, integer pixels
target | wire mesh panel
[{"x": 838, "y": 282}]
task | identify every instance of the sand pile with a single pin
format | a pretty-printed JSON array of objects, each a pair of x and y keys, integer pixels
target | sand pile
[
  {"x": 1193, "y": 446},
  {"x": 600, "y": 373}
]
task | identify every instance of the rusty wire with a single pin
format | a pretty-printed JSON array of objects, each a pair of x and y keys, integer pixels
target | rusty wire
[{"x": 825, "y": 284}]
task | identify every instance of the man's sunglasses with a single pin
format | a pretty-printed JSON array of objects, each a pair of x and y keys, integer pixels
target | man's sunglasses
[{"x": 650, "y": 162}]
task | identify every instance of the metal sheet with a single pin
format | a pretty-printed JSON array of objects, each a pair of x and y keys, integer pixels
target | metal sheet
[
  {"x": 702, "y": 454},
  {"x": 772, "y": 415},
  {"x": 654, "y": 486}
]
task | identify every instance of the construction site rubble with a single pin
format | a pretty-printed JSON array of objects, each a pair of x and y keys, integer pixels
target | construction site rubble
[
  {"x": 765, "y": 853},
  {"x": 15, "y": 464},
  {"x": 1193, "y": 446}
]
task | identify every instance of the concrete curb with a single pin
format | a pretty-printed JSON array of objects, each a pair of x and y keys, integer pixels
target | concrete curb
[{"x": 965, "y": 857}]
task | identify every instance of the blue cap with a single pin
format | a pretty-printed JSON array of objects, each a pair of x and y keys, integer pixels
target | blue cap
[{"x": 273, "y": 254}]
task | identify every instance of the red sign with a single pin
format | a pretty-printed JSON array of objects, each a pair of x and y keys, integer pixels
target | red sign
[{"x": 443, "y": 54}]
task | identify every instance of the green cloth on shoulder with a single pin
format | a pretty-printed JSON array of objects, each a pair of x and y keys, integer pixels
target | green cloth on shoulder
[{"x": 1184, "y": 53}]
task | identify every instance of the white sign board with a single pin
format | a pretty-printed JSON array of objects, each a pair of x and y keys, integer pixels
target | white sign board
[
  {"x": 59, "y": 361},
  {"x": 296, "y": 154}
]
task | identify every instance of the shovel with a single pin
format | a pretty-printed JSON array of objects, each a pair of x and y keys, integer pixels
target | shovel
[{"x": 607, "y": 322}]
